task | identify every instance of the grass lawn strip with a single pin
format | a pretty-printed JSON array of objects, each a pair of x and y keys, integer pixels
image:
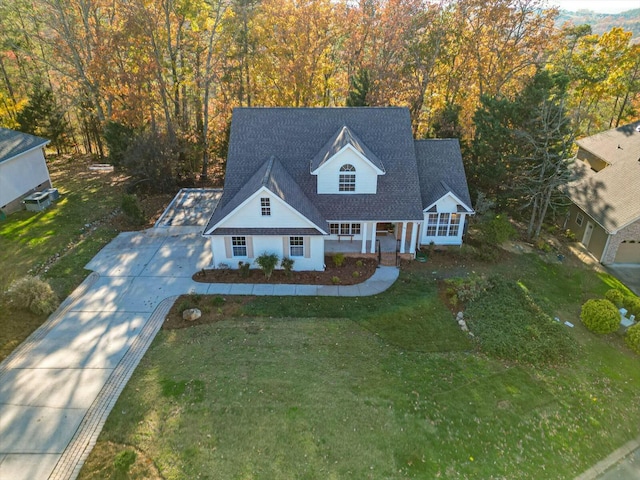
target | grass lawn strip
[{"x": 292, "y": 395}]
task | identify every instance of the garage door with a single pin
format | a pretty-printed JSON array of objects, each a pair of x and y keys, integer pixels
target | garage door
[{"x": 628, "y": 252}]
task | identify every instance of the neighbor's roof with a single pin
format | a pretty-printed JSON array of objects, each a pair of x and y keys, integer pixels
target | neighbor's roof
[
  {"x": 441, "y": 171},
  {"x": 610, "y": 196},
  {"x": 14, "y": 143},
  {"x": 295, "y": 136}
]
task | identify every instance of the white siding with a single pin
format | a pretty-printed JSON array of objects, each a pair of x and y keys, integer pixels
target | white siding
[
  {"x": 328, "y": 174},
  {"x": 447, "y": 204},
  {"x": 270, "y": 244},
  {"x": 21, "y": 174},
  {"x": 250, "y": 215}
]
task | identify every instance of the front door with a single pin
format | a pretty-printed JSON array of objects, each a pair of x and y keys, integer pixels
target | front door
[{"x": 587, "y": 234}]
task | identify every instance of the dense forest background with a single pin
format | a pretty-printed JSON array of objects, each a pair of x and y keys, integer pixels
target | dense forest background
[{"x": 140, "y": 80}]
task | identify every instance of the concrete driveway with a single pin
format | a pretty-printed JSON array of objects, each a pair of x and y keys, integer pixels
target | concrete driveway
[
  {"x": 627, "y": 274},
  {"x": 57, "y": 388}
]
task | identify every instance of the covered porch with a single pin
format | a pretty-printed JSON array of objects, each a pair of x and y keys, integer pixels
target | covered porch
[{"x": 393, "y": 237}]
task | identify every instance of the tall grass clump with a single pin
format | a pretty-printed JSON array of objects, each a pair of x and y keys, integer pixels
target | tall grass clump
[{"x": 33, "y": 294}]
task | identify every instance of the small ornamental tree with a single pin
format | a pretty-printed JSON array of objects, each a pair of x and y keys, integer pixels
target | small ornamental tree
[
  {"x": 600, "y": 316},
  {"x": 268, "y": 262},
  {"x": 632, "y": 338},
  {"x": 615, "y": 296}
]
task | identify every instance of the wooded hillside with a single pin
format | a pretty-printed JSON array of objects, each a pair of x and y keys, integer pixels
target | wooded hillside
[{"x": 93, "y": 74}]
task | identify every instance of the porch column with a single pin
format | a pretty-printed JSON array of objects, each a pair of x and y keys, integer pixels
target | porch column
[
  {"x": 213, "y": 253},
  {"x": 403, "y": 237},
  {"x": 414, "y": 237},
  {"x": 363, "y": 248},
  {"x": 373, "y": 237}
]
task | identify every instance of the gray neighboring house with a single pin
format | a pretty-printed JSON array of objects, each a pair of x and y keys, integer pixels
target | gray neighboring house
[
  {"x": 605, "y": 215},
  {"x": 305, "y": 182},
  {"x": 23, "y": 168}
]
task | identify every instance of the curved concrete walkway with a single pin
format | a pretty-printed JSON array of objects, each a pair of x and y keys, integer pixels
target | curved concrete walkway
[{"x": 58, "y": 387}]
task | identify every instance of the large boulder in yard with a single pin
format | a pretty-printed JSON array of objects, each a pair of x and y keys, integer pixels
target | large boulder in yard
[{"x": 191, "y": 314}]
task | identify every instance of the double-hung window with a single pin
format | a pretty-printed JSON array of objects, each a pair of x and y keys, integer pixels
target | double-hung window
[
  {"x": 432, "y": 224},
  {"x": 265, "y": 206},
  {"x": 239, "y": 246},
  {"x": 296, "y": 246},
  {"x": 454, "y": 224}
]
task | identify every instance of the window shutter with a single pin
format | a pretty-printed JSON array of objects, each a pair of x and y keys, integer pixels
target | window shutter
[
  {"x": 307, "y": 247},
  {"x": 227, "y": 247},
  {"x": 249, "y": 247},
  {"x": 285, "y": 247}
]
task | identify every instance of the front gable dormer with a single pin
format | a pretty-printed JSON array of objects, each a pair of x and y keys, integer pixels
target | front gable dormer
[{"x": 346, "y": 166}]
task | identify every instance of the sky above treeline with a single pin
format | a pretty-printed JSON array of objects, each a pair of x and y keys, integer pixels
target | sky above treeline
[{"x": 599, "y": 6}]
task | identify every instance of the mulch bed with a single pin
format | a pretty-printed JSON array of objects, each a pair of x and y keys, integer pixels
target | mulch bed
[{"x": 352, "y": 272}]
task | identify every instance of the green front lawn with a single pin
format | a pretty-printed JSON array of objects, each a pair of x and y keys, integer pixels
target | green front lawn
[
  {"x": 58, "y": 242},
  {"x": 377, "y": 387}
]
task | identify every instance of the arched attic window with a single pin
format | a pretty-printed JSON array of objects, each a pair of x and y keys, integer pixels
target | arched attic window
[{"x": 347, "y": 180}]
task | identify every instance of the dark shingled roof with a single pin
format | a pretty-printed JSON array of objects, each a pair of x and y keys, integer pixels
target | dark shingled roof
[
  {"x": 277, "y": 180},
  {"x": 441, "y": 171},
  {"x": 13, "y": 143},
  {"x": 344, "y": 137},
  {"x": 295, "y": 136}
]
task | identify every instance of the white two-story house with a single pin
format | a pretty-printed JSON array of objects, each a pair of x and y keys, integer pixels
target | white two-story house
[{"x": 302, "y": 182}]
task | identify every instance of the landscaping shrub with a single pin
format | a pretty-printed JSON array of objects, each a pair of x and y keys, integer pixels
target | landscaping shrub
[
  {"x": 600, "y": 316},
  {"x": 335, "y": 280},
  {"x": 466, "y": 289},
  {"x": 124, "y": 460},
  {"x": 509, "y": 325},
  {"x": 632, "y": 304},
  {"x": 268, "y": 262},
  {"x": 33, "y": 294},
  {"x": 338, "y": 259},
  {"x": 244, "y": 268},
  {"x": 130, "y": 206},
  {"x": 496, "y": 230},
  {"x": 615, "y": 296},
  {"x": 287, "y": 265},
  {"x": 632, "y": 338}
]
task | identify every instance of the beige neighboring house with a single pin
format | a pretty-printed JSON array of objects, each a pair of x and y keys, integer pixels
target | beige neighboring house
[
  {"x": 605, "y": 215},
  {"x": 23, "y": 168}
]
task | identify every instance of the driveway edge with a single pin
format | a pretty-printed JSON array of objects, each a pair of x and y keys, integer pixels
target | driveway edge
[
  {"x": 76, "y": 453},
  {"x": 616, "y": 456}
]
